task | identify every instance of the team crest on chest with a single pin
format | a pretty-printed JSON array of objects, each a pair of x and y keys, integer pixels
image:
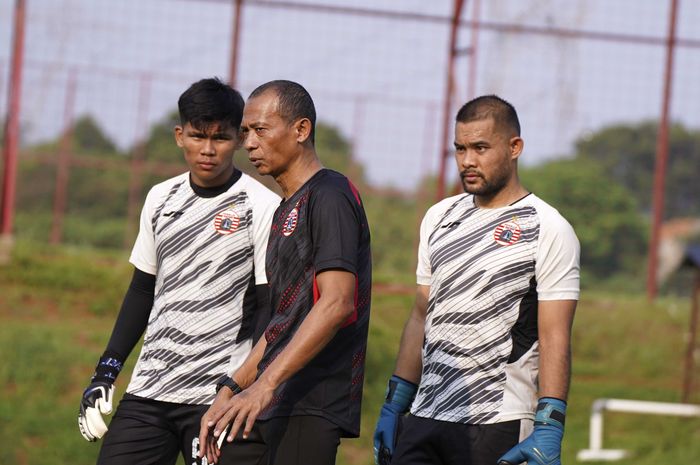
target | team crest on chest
[
  {"x": 226, "y": 222},
  {"x": 507, "y": 233},
  {"x": 290, "y": 224}
]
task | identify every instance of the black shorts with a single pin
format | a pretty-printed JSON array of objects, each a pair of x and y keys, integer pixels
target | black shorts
[
  {"x": 145, "y": 431},
  {"x": 424, "y": 441},
  {"x": 297, "y": 440}
]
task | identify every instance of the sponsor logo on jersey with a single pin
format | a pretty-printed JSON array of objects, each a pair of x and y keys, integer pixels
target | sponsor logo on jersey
[
  {"x": 174, "y": 214},
  {"x": 226, "y": 222},
  {"x": 507, "y": 233},
  {"x": 290, "y": 224}
]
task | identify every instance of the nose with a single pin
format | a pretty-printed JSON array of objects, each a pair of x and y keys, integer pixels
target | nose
[
  {"x": 208, "y": 147},
  {"x": 248, "y": 140},
  {"x": 466, "y": 158}
]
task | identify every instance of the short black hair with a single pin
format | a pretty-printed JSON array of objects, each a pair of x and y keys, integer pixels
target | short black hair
[
  {"x": 210, "y": 101},
  {"x": 490, "y": 106},
  {"x": 294, "y": 102}
]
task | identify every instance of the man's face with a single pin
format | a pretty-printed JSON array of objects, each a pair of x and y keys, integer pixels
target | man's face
[
  {"x": 271, "y": 142},
  {"x": 485, "y": 157},
  {"x": 208, "y": 152}
]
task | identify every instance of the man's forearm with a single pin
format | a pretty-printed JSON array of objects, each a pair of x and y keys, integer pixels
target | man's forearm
[
  {"x": 554, "y": 320},
  {"x": 315, "y": 332},
  {"x": 245, "y": 375},
  {"x": 409, "y": 363},
  {"x": 555, "y": 372},
  {"x": 133, "y": 316}
]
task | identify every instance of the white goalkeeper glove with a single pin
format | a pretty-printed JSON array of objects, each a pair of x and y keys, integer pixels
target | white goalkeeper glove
[
  {"x": 97, "y": 398},
  {"x": 96, "y": 401}
]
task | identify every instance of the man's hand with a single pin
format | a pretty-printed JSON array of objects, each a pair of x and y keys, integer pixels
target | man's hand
[
  {"x": 543, "y": 446},
  {"x": 96, "y": 401},
  {"x": 208, "y": 446},
  {"x": 228, "y": 414},
  {"x": 399, "y": 396},
  {"x": 97, "y": 398}
]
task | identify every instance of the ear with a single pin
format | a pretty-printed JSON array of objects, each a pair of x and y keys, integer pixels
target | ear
[
  {"x": 303, "y": 129},
  {"x": 516, "y": 145},
  {"x": 179, "y": 132}
]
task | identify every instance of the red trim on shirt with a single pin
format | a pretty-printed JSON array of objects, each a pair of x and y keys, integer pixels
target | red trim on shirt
[
  {"x": 353, "y": 317},
  {"x": 355, "y": 192}
]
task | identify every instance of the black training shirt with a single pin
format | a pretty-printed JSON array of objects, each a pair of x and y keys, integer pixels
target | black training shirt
[{"x": 321, "y": 227}]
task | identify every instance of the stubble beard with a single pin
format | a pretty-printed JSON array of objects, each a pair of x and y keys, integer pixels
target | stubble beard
[{"x": 488, "y": 188}]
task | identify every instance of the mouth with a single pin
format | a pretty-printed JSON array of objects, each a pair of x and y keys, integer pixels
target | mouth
[
  {"x": 206, "y": 165},
  {"x": 469, "y": 176}
]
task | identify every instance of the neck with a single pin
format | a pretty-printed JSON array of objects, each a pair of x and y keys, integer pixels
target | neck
[
  {"x": 502, "y": 198},
  {"x": 298, "y": 173}
]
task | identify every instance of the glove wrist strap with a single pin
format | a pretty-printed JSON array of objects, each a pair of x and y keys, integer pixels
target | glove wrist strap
[
  {"x": 551, "y": 411},
  {"x": 400, "y": 392},
  {"x": 108, "y": 368}
]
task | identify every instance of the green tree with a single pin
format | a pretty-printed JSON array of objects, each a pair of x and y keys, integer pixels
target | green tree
[
  {"x": 160, "y": 143},
  {"x": 335, "y": 153},
  {"x": 603, "y": 212},
  {"x": 628, "y": 152},
  {"x": 89, "y": 138}
]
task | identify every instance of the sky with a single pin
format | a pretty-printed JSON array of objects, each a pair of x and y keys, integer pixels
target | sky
[{"x": 379, "y": 80}]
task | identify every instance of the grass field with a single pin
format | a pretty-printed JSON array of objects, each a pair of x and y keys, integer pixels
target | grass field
[{"x": 57, "y": 307}]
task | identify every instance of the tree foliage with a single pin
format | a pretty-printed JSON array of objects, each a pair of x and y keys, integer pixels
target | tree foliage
[
  {"x": 89, "y": 138},
  {"x": 604, "y": 191},
  {"x": 628, "y": 153},
  {"x": 603, "y": 213},
  {"x": 160, "y": 143}
]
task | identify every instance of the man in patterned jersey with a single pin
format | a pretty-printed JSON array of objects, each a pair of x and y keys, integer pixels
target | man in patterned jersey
[
  {"x": 302, "y": 384},
  {"x": 498, "y": 283},
  {"x": 198, "y": 289}
]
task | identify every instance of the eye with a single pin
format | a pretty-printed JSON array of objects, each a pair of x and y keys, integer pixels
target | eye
[{"x": 259, "y": 130}]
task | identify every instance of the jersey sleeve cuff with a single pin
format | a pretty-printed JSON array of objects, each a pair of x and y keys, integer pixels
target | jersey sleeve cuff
[
  {"x": 336, "y": 264},
  {"x": 143, "y": 266},
  {"x": 558, "y": 295}
]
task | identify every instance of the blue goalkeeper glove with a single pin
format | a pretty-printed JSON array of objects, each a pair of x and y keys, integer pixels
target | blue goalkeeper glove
[
  {"x": 97, "y": 398},
  {"x": 399, "y": 396},
  {"x": 543, "y": 446}
]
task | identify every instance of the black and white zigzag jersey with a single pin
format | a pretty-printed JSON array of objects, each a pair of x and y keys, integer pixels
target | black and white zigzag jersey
[
  {"x": 487, "y": 269},
  {"x": 207, "y": 253}
]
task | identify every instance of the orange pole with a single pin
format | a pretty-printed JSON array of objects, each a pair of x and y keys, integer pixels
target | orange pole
[
  {"x": 690, "y": 352},
  {"x": 447, "y": 104},
  {"x": 235, "y": 37},
  {"x": 11, "y": 143},
  {"x": 63, "y": 167},
  {"x": 473, "y": 56},
  {"x": 137, "y": 164},
  {"x": 661, "y": 158}
]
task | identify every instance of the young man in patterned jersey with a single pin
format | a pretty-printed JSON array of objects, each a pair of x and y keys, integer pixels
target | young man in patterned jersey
[
  {"x": 302, "y": 384},
  {"x": 489, "y": 333},
  {"x": 198, "y": 291}
]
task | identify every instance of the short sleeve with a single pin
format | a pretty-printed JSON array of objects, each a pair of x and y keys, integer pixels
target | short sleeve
[
  {"x": 143, "y": 254},
  {"x": 433, "y": 216},
  {"x": 557, "y": 263},
  {"x": 423, "y": 270},
  {"x": 265, "y": 202},
  {"x": 335, "y": 229}
]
